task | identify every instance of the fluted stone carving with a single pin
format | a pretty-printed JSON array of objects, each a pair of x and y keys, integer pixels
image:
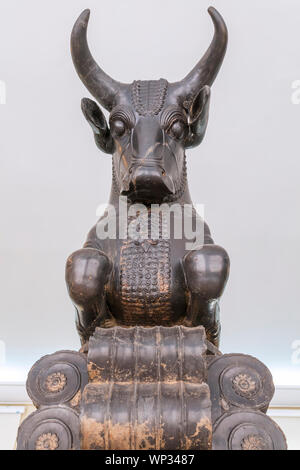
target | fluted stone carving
[{"x": 150, "y": 388}]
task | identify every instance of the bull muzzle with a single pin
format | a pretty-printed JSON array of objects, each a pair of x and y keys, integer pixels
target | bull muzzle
[{"x": 147, "y": 182}]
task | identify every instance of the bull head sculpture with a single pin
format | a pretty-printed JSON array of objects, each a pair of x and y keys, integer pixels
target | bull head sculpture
[
  {"x": 152, "y": 281},
  {"x": 151, "y": 123}
]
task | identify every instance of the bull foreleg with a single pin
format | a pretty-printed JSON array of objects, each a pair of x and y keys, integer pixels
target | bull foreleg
[
  {"x": 206, "y": 272},
  {"x": 87, "y": 273}
]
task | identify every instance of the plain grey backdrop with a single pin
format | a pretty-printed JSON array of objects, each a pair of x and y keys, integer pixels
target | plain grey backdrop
[{"x": 246, "y": 171}]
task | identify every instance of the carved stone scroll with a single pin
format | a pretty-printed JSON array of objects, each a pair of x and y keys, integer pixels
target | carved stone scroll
[
  {"x": 239, "y": 381},
  {"x": 58, "y": 378},
  {"x": 247, "y": 430},
  {"x": 145, "y": 388},
  {"x": 50, "y": 428}
]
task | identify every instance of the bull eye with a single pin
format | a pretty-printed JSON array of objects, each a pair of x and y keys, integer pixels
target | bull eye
[
  {"x": 177, "y": 129},
  {"x": 118, "y": 127},
  {"x": 121, "y": 121},
  {"x": 174, "y": 122}
]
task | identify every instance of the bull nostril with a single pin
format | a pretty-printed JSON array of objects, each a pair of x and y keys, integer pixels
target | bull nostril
[{"x": 163, "y": 172}]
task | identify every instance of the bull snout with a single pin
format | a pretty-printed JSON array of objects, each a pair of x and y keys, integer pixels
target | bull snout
[{"x": 150, "y": 182}]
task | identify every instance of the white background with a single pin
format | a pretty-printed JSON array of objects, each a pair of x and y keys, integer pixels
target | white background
[{"x": 246, "y": 171}]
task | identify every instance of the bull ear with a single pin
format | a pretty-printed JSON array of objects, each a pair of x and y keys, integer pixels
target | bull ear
[
  {"x": 97, "y": 121},
  {"x": 198, "y": 117}
]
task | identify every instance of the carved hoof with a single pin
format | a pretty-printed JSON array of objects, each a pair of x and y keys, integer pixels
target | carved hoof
[
  {"x": 247, "y": 430},
  {"x": 58, "y": 378},
  {"x": 51, "y": 428},
  {"x": 87, "y": 272},
  {"x": 207, "y": 271}
]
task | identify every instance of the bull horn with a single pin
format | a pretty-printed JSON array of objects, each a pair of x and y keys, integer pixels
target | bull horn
[
  {"x": 99, "y": 84},
  {"x": 206, "y": 70}
]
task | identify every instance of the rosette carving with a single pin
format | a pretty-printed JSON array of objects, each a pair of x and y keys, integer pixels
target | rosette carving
[
  {"x": 238, "y": 380},
  {"x": 247, "y": 430},
  {"x": 58, "y": 378},
  {"x": 50, "y": 428}
]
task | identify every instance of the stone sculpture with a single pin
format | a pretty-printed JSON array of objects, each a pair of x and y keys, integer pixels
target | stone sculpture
[{"x": 149, "y": 374}]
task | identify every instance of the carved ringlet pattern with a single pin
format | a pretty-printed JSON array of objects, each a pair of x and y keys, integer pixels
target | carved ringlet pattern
[
  {"x": 56, "y": 382},
  {"x": 50, "y": 428},
  {"x": 244, "y": 385},
  {"x": 145, "y": 276},
  {"x": 47, "y": 441},
  {"x": 253, "y": 442},
  {"x": 247, "y": 430},
  {"x": 57, "y": 378},
  {"x": 148, "y": 96}
]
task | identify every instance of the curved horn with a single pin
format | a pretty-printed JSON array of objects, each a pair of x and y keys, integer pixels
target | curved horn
[
  {"x": 99, "y": 84},
  {"x": 206, "y": 70}
]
